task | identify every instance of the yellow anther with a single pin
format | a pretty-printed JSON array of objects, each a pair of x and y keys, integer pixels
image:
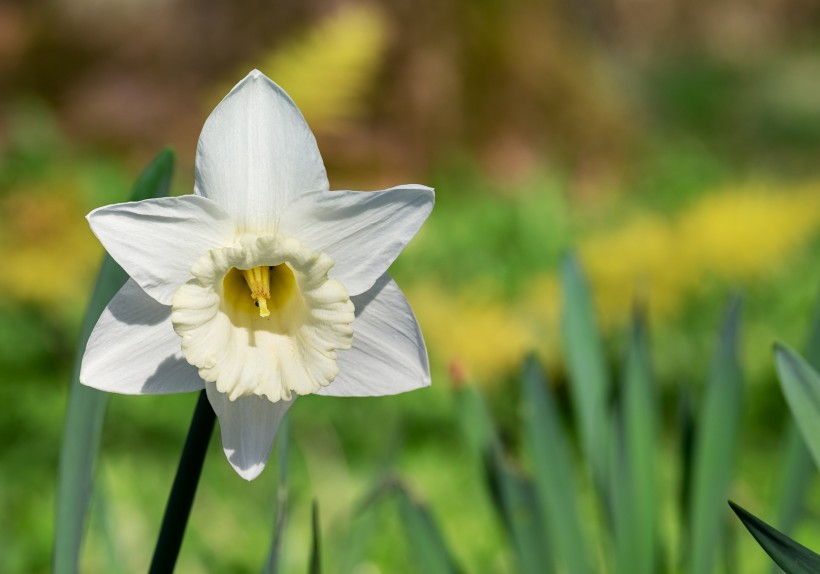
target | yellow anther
[
  {"x": 263, "y": 307},
  {"x": 258, "y": 279}
]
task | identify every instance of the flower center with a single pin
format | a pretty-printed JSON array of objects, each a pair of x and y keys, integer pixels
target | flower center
[
  {"x": 271, "y": 286},
  {"x": 263, "y": 318}
]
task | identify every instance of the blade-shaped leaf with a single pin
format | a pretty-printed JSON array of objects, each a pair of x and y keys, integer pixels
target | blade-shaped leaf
[
  {"x": 86, "y": 406},
  {"x": 639, "y": 431},
  {"x": 686, "y": 424},
  {"x": 364, "y": 518},
  {"x": 797, "y": 464},
  {"x": 715, "y": 445},
  {"x": 589, "y": 380},
  {"x": 513, "y": 494},
  {"x": 272, "y": 566},
  {"x": 791, "y": 556},
  {"x": 553, "y": 466},
  {"x": 102, "y": 521},
  {"x": 801, "y": 387},
  {"x": 475, "y": 421},
  {"x": 430, "y": 551},
  {"x": 796, "y": 476},
  {"x": 316, "y": 546},
  {"x": 516, "y": 501},
  {"x": 622, "y": 503}
]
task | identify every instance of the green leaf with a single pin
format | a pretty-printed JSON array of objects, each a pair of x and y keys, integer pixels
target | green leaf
[
  {"x": 801, "y": 387},
  {"x": 715, "y": 445},
  {"x": 475, "y": 421},
  {"x": 553, "y": 466},
  {"x": 797, "y": 473},
  {"x": 792, "y": 557},
  {"x": 621, "y": 503},
  {"x": 430, "y": 551},
  {"x": 797, "y": 466},
  {"x": 589, "y": 380},
  {"x": 86, "y": 406},
  {"x": 102, "y": 521},
  {"x": 513, "y": 494},
  {"x": 636, "y": 447},
  {"x": 274, "y": 561},
  {"x": 516, "y": 501},
  {"x": 315, "y": 547}
]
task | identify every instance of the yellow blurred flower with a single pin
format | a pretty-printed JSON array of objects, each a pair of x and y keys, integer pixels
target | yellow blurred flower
[
  {"x": 329, "y": 69},
  {"x": 482, "y": 334},
  {"x": 733, "y": 235},
  {"x": 48, "y": 254}
]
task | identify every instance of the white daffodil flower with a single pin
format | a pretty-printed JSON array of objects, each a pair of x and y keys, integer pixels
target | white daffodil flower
[{"x": 262, "y": 285}]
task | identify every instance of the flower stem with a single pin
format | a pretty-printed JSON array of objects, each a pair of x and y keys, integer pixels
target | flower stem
[{"x": 182, "y": 492}]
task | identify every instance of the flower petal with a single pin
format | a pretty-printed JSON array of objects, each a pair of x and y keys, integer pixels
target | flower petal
[
  {"x": 388, "y": 355},
  {"x": 157, "y": 241},
  {"x": 248, "y": 426},
  {"x": 134, "y": 350},
  {"x": 256, "y": 154},
  {"x": 363, "y": 232}
]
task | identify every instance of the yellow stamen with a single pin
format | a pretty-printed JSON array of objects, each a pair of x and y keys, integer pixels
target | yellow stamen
[{"x": 258, "y": 279}]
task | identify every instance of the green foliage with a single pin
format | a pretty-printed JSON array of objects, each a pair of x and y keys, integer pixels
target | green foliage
[
  {"x": 315, "y": 546},
  {"x": 273, "y": 564},
  {"x": 553, "y": 470},
  {"x": 635, "y": 492},
  {"x": 801, "y": 387},
  {"x": 542, "y": 514},
  {"x": 515, "y": 497},
  {"x": 587, "y": 368},
  {"x": 792, "y": 557},
  {"x": 429, "y": 549},
  {"x": 715, "y": 446},
  {"x": 87, "y": 406}
]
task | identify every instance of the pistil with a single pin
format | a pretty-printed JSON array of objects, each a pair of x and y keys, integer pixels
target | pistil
[{"x": 258, "y": 279}]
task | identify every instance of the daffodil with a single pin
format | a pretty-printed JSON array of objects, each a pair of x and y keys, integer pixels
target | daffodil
[{"x": 262, "y": 285}]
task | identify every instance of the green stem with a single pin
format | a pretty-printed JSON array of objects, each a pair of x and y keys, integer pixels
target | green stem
[{"x": 184, "y": 488}]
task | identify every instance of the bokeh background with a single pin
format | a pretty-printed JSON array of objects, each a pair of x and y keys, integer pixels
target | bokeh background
[{"x": 673, "y": 145}]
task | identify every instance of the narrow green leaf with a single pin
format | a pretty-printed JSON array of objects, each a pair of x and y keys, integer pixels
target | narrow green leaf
[
  {"x": 364, "y": 519},
  {"x": 797, "y": 473},
  {"x": 622, "y": 501},
  {"x": 272, "y": 566},
  {"x": 798, "y": 470},
  {"x": 639, "y": 432},
  {"x": 516, "y": 501},
  {"x": 686, "y": 425},
  {"x": 102, "y": 521},
  {"x": 589, "y": 380},
  {"x": 316, "y": 547},
  {"x": 513, "y": 494},
  {"x": 553, "y": 466},
  {"x": 715, "y": 445},
  {"x": 430, "y": 551},
  {"x": 475, "y": 421},
  {"x": 801, "y": 387},
  {"x": 791, "y": 556},
  {"x": 86, "y": 406}
]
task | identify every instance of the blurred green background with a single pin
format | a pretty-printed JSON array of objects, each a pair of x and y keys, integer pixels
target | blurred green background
[{"x": 672, "y": 145}]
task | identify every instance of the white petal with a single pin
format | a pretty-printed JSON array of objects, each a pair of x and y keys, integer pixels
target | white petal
[
  {"x": 157, "y": 241},
  {"x": 256, "y": 154},
  {"x": 363, "y": 232},
  {"x": 134, "y": 350},
  {"x": 388, "y": 355},
  {"x": 248, "y": 427}
]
